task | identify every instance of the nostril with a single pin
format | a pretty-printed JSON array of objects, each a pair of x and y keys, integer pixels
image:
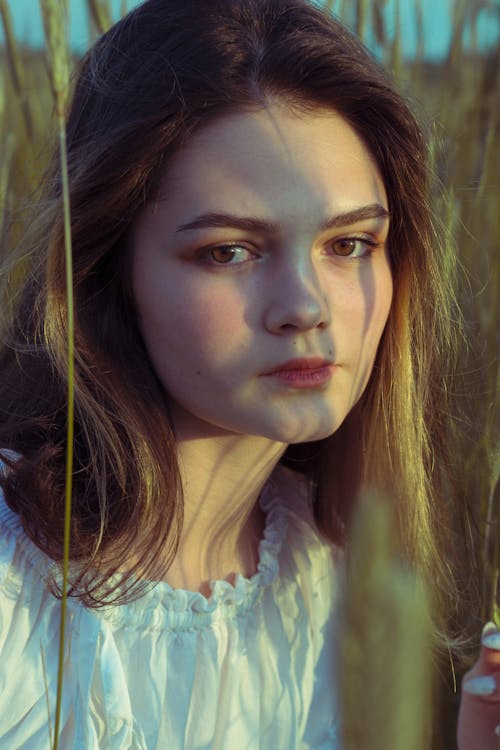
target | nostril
[{"x": 297, "y": 313}]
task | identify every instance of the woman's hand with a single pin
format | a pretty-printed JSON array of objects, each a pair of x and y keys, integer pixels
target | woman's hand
[{"x": 479, "y": 715}]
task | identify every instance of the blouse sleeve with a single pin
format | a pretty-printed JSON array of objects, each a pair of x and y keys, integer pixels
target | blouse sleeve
[
  {"x": 95, "y": 709},
  {"x": 28, "y": 646}
]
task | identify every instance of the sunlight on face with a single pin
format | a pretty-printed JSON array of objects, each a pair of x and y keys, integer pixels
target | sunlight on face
[{"x": 261, "y": 276}]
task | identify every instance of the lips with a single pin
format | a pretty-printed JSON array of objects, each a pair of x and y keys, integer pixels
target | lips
[
  {"x": 307, "y": 374},
  {"x": 310, "y": 363}
]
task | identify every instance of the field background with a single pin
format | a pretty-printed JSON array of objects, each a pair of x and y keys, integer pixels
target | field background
[{"x": 458, "y": 102}]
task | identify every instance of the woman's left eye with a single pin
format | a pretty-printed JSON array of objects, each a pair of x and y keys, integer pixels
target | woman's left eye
[
  {"x": 225, "y": 255},
  {"x": 353, "y": 247}
]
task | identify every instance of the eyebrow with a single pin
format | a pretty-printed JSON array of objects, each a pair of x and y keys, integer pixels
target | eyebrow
[{"x": 252, "y": 224}]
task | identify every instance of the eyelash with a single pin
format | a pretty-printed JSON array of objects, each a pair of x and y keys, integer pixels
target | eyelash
[{"x": 370, "y": 245}]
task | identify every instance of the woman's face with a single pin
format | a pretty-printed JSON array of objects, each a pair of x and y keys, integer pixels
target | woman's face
[{"x": 261, "y": 276}]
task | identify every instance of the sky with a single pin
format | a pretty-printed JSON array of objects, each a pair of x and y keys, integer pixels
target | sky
[{"x": 436, "y": 22}]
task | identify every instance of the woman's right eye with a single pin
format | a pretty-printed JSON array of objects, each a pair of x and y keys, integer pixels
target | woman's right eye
[{"x": 225, "y": 255}]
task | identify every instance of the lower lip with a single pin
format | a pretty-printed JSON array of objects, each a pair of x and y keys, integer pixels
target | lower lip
[{"x": 306, "y": 378}]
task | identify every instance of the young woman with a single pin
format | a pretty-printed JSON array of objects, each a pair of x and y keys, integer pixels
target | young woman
[{"x": 261, "y": 321}]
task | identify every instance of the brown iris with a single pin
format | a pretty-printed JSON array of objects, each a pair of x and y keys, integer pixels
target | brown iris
[
  {"x": 345, "y": 247},
  {"x": 222, "y": 254}
]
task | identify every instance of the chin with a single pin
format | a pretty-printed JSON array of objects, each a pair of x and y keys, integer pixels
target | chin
[
  {"x": 293, "y": 435},
  {"x": 312, "y": 437}
]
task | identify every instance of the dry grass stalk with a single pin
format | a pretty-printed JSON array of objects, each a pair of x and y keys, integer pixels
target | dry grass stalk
[
  {"x": 54, "y": 19},
  {"x": 362, "y": 11},
  {"x": 384, "y": 645},
  {"x": 54, "y": 14},
  {"x": 100, "y": 12},
  {"x": 396, "y": 55},
  {"x": 5, "y": 167},
  {"x": 419, "y": 24},
  {"x": 16, "y": 67}
]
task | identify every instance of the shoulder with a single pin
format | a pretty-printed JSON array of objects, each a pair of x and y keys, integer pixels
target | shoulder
[
  {"x": 29, "y": 625},
  {"x": 22, "y": 565},
  {"x": 93, "y": 696}
]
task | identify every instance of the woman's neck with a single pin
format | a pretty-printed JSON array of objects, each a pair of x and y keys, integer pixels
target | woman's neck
[{"x": 222, "y": 477}]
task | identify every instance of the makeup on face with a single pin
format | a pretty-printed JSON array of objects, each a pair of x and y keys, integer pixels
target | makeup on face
[{"x": 261, "y": 275}]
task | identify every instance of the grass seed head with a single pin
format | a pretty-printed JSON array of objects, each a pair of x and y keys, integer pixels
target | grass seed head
[
  {"x": 384, "y": 647},
  {"x": 54, "y": 14}
]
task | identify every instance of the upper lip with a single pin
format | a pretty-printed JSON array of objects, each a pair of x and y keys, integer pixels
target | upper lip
[{"x": 309, "y": 363}]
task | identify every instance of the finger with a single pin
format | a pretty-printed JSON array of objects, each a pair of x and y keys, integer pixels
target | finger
[
  {"x": 479, "y": 713},
  {"x": 490, "y": 637},
  {"x": 483, "y": 680},
  {"x": 484, "y": 687},
  {"x": 477, "y": 722},
  {"x": 489, "y": 656}
]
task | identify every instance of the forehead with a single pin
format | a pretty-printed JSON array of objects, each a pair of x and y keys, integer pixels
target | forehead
[{"x": 275, "y": 160}]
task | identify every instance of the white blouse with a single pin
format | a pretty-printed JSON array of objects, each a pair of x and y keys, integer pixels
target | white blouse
[{"x": 251, "y": 667}]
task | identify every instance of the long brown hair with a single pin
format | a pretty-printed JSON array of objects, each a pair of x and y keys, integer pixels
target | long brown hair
[{"x": 163, "y": 72}]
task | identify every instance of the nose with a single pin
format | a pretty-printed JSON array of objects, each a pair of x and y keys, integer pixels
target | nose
[{"x": 298, "y": 302}]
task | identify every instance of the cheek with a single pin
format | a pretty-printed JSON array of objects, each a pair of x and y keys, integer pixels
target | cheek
[
  {"x": 192, "y": 322},
  {"x": 385, "y": 298},
  {"x": 381, "y": 312},
  {"x": 366, "y": 311},
  {"x": 365, "y": 305},
  {"x": 210, "y": 319},
  {"x": 379, "y": 307}
]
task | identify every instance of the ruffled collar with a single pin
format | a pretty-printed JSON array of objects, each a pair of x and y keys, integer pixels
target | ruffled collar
[{"x": 163, "y": 606}]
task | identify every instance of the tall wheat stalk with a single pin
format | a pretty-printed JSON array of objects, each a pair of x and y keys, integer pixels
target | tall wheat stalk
[
  {"x": 100, "y": 12},
  {"x": 16, "y": 68},
  {"x": 5, "y": 167},
  {"x": 54, "y": 14},
  {"x": 384, "y": 645},
  {"x": 6, "y": 154}
]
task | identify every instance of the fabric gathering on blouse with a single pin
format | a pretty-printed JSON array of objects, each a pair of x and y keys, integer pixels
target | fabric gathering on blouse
[{"x": 252, "y": 667}]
